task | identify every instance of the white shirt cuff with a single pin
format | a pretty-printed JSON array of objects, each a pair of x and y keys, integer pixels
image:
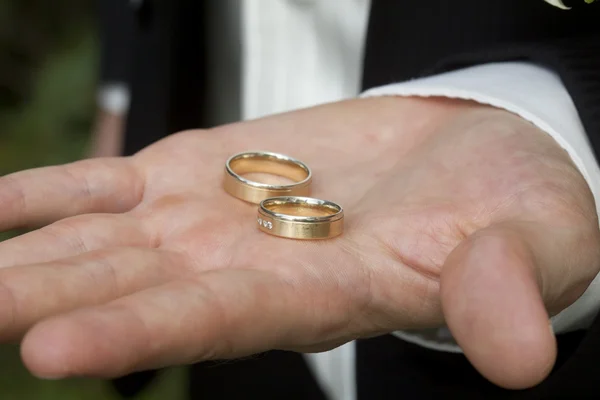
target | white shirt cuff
[
  {"x": 539, "y": 96},
  {"x": 114, "y": 98}
]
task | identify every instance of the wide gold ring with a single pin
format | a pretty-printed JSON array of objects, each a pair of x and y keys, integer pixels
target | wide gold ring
[
  {"x": 270, "y": 163},
  {"x": 300, "y": 218}
]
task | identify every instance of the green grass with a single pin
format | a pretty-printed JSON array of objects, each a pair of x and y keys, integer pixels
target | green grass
[
  {"x": 53, "y": 128},
  {"x": 17, "y": 384}
]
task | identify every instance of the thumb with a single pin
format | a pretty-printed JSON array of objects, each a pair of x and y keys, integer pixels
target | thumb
[{"x": 492, "y": 303}]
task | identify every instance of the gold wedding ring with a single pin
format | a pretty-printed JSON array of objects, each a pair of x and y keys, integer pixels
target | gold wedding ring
[
  {"x": 300, "y": 218},
  {"x": 270, "y": 163}
]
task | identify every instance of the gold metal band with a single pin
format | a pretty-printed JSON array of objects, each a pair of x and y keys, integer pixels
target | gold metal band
[
  {"x": 300, "y": 218},
  {"x": 270, "y": 163}
]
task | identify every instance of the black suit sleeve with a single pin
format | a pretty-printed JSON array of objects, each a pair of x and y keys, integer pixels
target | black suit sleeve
[
  {"x": 116, "y": 22},
  {"x": 576, "y": 59},
  {"x": 415, "y": 38},
  {"x": 168, "y": 73}
]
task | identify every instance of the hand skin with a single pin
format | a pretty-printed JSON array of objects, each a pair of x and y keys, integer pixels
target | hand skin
[{"x": 456, "y": 213}]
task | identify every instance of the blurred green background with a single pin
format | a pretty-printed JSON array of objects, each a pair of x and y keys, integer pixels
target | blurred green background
[{"x": 48, "y": 63}]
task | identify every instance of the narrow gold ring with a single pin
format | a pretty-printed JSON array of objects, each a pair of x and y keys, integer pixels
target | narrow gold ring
[
  {"x": 300, "y": 218},
  {"x": 270, "y": 163}
]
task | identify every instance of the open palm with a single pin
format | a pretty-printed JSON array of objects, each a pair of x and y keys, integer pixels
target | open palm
[{"x": 455, "y": 213}]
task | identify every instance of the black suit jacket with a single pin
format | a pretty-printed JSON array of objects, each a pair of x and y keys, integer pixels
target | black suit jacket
[{"x": 406, "y": 39}]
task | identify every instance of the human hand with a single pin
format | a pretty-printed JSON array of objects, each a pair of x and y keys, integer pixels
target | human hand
[{"x": 455, "y": 213}]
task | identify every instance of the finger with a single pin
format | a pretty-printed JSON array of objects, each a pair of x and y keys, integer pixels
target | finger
[
  {"x": 491, "y": 291},
  {"x": 39, "y": 196},
  {"x": 223, "y": 314},
  {"x": 72, "y": 236},
  {"x": 31, "y": 293}
]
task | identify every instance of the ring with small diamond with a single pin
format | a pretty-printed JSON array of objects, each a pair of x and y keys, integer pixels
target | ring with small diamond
[
  {"x": 265, "y": 223},
  {"x": 300, "y": 217}
]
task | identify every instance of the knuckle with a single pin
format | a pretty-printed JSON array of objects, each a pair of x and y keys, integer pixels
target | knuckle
[
  {"x": 13, "y": 195},
  {"x": 217, "y": 340},
  {"x": 8, "y": 316},
  {"x": 69, "y": 232}
]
